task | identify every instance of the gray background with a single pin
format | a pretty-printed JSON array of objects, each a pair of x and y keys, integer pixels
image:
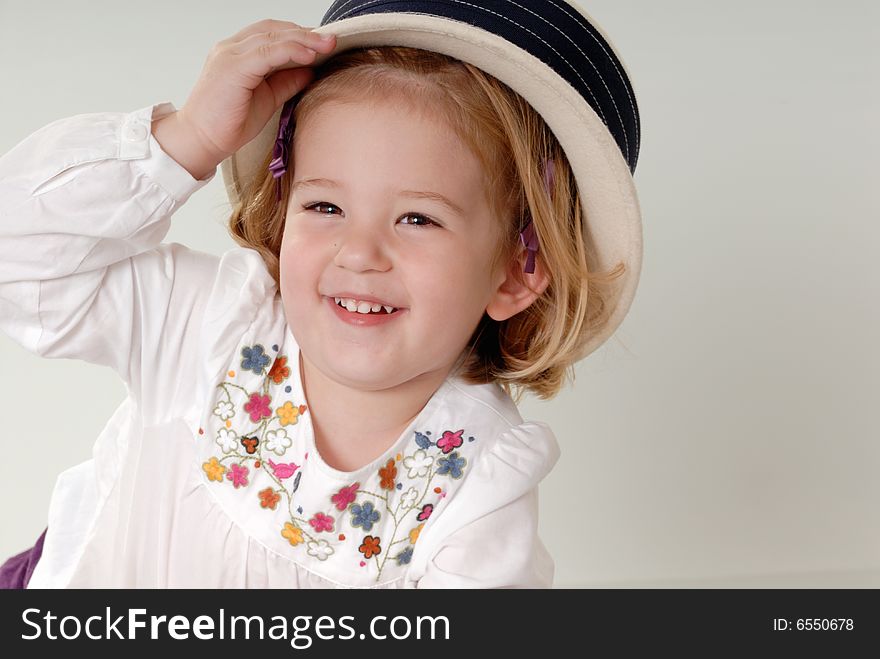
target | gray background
[{"x": 725, "y": 436}]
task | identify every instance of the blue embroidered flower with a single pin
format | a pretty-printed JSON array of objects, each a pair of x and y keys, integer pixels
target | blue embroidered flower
[
  {"x": 452, "y": 465},
  {"x": 255, "y": 359},
  {"x": 405, "y": 556},
  {"x": 364, "y": 516}
]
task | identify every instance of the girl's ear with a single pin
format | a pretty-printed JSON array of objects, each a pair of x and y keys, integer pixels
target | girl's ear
[{"x": 518, "y": 289}]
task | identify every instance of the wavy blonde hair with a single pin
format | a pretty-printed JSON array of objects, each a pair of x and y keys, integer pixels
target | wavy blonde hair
[{"x": 535, "y": 350}]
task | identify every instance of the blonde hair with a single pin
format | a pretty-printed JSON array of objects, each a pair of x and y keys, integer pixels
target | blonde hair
[{"x": 534, "y": 350}]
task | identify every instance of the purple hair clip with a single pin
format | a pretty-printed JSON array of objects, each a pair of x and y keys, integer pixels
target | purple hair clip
[
  {"x": 281, "y": 150},
  {"x": 528, "y": 235}
]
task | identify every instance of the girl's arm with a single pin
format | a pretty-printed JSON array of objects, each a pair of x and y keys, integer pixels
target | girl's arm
[{"x": 84, "y": 205}]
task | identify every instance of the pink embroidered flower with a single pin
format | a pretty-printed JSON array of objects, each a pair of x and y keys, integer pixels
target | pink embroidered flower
[
  {"x": 321, "y": 522},
  {"x": 238, "y": 475},
  {"x": 283, "y": 470},
  {"x": 258, "y": 407},
  {"x": 450, "y": 440},
  {"x": 427, "y": 509},
  {"x": 345, "y": 496}
]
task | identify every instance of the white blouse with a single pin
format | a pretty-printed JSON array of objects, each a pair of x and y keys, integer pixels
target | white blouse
[{"x": 207, "y": 474}]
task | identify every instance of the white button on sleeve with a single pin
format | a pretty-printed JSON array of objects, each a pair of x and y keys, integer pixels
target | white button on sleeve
[{"x": 134, "y": 132}]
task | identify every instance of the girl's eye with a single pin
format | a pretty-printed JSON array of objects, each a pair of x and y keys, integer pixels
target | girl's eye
[{"x": 426, "y": 220}]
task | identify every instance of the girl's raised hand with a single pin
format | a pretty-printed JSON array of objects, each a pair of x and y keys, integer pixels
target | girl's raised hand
[{"x": 238, "y": 91}]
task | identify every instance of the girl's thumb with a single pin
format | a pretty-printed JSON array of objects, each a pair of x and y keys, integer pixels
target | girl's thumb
[{"x": 288, "y": 83}]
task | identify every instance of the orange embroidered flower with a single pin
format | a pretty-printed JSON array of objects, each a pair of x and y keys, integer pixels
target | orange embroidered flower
[
  {"x": 294, "y": 535},
  {"x": 388, "y": 474},
  {"x": 414, "y": 534},
  {"x": 269, "y": 498},
  {"x": 214, "y": 470},
  {"x": 279, "y": 371},
  {"x": 370, "y": 547}
]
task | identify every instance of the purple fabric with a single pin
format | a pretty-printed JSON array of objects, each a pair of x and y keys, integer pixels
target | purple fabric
[{"x": 16, "y": 572}]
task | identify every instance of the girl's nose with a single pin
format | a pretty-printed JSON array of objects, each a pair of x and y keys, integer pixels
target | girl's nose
[{"x": 361, "y": 248}]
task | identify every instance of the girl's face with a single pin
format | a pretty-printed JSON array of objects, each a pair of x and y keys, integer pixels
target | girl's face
[{"x": 371, "y": 236}]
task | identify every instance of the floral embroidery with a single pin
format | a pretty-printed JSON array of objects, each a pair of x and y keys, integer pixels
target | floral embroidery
[
  {"x": 277, "y": 441},
  {"x": 418, "y": 464},
  {"x": 388, "y": 474},
  {"x": 321, "y": 522},
  {"x": 320, "y": 549},
  {"x": 269, "y": 498},
  {"x": 450, "y": 441},
  {"x": 279, "y": 372},
  {"x": 364, "y": 516},
  {"x": 238, "y": 475},
  {"x": 345, "y": 496},
  {"x": 288, "y": 414},
  {"x": 452, "y": 465},
  {"x": 405, "y": 556},
  {"x": 255, "y": 359},
  {"x": 224, "y": 410},
  {"x": 214, "y": 470},
  {"x": 408, "y": 500},
  {"x": 395, "y": 502},
  {"x": 370, "y": 547},
  {"x": 258, "y": 407},
  {"x": 227, "y": 440},
  {"x": 293, "y": 534}
]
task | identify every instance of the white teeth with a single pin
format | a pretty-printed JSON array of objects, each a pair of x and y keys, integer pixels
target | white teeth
[{"x": 362, "y": 307}]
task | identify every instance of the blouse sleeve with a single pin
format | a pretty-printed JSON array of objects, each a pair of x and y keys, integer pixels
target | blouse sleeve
[
  {"x": 488, "y": 535},
  {"x": 84, "y": 205}
]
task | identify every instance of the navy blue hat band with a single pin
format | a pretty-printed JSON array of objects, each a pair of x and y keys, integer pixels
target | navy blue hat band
[{"x": 553, "y": 32}]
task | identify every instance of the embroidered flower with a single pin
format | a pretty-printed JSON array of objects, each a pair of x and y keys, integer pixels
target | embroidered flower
[
  {"x": 279, "y": 371},
  {"x": 293, "y": 534},
  {"x": 255, "y": 359},
  {"x": 450, "y": 441},
  {"x": 427, "y": 509},
  {"x": 405, "y": 556},
  {"x": 214, "y": 470},
  {"x": 364, "y": 516},
  {"x": 451, "y": 465},
  {"x": 414, "y": 534},
  {"x": 289, "y": 413},
  {"x": 277, "y": 441},
  {"x": 408, "y": 500},
  {"x": 320, "y": 548},
  {"x": 370, "y": 547},
  {"x": 345, "y": 496},
  {"x": 258, "y": 407},
  {"x": 269, "y": 498},
  {"x": 238, "y": 475},
  {"x": 225, "y": 410},
  {"x": 283, "y": 470},
  {"x": 250, "y": 444},
  {"x": 418, "y": 464},
  {"x": 227, "y": 439},
  {"x": 388, "y": 474},
  {"x": 321, "y": 522}
]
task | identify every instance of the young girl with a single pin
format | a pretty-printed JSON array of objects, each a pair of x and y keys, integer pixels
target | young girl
[{"x": 330, "y": 404}]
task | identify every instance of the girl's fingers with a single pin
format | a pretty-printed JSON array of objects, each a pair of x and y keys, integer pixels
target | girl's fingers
[
  {"x": 266, "y": 25},
  {"x": 263, "y": 40},
  {"x": 262, "y": 56}
]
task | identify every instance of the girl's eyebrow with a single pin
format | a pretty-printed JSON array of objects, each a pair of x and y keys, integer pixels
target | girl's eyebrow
[{"x": 414, "y": 194}]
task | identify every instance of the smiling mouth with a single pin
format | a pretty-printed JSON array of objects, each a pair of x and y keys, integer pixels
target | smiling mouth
[{"x": 365, "y": 308}]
